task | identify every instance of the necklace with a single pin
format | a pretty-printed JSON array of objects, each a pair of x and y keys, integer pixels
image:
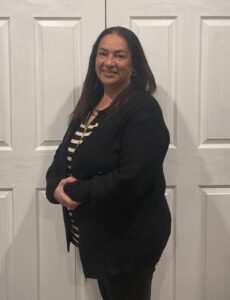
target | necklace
[
  {"x": 95, "y": 112},
  {"x": 85, "y": 130}
]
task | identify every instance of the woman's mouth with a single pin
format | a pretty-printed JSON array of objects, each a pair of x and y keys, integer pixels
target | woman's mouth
[{"x": 109, "y": 73}]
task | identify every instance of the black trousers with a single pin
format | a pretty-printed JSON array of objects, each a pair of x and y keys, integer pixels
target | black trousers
[{"x": 126, "y": 286}]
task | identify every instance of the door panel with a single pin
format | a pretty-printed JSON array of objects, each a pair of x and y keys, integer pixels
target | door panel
[
  {"x": 187, "y": 45},
  {"x": 44, "y": 51}
]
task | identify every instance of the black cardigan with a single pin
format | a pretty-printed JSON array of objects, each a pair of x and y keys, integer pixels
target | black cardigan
[{"x": 124, "y": 219}]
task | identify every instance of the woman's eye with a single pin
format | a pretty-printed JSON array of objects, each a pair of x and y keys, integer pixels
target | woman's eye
[
  {"x": 101, "y": 54},
  {"x": 120, "y": 56}
]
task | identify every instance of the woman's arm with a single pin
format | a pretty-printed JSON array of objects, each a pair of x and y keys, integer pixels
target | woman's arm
[
  {"x": 53, "y": 175},
  {"x": 145, "y": 143}
]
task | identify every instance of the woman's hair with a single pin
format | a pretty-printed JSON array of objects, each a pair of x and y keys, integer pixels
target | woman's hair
[{"x": 142, "y": 80}]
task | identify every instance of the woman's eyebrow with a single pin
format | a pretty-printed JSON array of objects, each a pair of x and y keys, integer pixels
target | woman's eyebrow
[
  {"x": 101, "y": 48},
  {"x": 116, "y": 51},
  {"x": 120, "y": 50}
]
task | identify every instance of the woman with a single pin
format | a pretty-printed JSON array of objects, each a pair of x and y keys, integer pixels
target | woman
[{"x": 107, "y": 173}]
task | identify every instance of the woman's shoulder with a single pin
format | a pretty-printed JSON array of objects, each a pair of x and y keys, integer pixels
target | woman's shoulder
[{"x": 144, "y": 104}]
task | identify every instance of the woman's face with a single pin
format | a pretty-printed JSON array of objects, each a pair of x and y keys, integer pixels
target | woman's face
[{"x": 113, "y": 62}]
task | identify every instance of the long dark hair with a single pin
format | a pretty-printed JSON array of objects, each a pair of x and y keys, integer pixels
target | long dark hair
[{"x": 93, "y": 90}]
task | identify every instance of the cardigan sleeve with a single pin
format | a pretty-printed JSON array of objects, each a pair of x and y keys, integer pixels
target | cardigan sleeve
[
  {"x": 53, "y": 175},
  {"x": 53, "y": 178},
  {"x": 144, "y": 145}
]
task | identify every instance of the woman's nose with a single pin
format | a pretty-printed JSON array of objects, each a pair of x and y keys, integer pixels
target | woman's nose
[{"x": 109, "y": 60}]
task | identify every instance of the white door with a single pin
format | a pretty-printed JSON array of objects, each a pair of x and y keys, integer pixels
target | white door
[
  {"x": 44, "y": 51},
  {"x": 187, "y": 44}
]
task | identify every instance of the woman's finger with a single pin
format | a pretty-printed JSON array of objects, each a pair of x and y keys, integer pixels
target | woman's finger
[
  {"x": 64, "y": 199},
  {"x": 68, "y": 202},
  {"x": 68, "y": 180}
]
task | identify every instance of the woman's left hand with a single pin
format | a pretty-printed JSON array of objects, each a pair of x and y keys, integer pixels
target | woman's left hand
[{"x": 61, "y": 196}]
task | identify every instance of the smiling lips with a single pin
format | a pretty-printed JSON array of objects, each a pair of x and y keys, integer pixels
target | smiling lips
[{"x": 108, "y": 72}]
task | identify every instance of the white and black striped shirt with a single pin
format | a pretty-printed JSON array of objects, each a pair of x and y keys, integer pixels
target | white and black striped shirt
[{"x": 78, "y": 138}]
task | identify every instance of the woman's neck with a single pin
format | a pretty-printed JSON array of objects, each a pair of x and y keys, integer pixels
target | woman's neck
[
  {"x": 111, "y": 93},
  {"x": 105, "y": 101}
]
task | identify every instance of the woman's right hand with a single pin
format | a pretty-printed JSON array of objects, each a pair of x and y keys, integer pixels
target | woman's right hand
[{"x": 61, "y": 196}]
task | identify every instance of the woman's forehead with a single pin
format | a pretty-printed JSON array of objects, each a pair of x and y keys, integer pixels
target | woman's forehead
[{"x": 113, "y": 41}]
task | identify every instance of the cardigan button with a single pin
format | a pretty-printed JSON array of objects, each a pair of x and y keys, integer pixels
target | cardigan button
[
  {"x": 70, "y": 213},
  {"x": 99, "y": 172}
]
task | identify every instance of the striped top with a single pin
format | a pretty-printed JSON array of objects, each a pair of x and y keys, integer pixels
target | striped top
[{"x": 78, "y": 138}]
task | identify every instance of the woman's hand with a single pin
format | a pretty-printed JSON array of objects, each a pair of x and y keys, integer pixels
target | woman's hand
[{"x": 61, "y": 196}]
